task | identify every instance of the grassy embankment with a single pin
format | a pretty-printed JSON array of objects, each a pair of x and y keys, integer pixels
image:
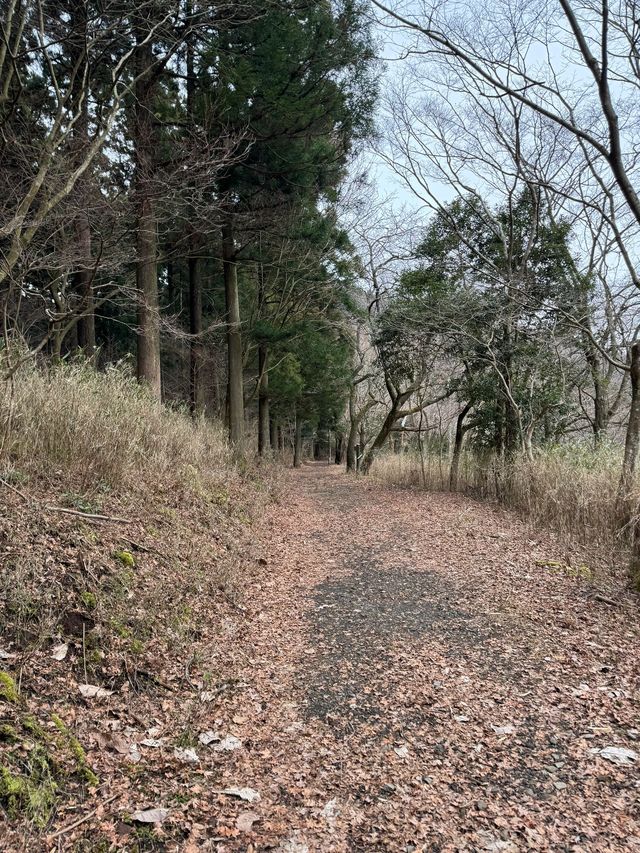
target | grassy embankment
[{"x": 133, "y": 604}]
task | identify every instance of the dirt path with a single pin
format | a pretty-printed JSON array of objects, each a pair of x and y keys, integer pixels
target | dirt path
[{"x": 414, "y": 679}]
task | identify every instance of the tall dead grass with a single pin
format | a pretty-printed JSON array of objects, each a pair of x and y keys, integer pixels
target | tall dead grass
[
  {"x": 569, "y": 488},
  {"x": 103, "y": 429}
]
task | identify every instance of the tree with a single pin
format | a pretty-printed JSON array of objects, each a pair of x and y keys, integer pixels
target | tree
[{"x": 302, "y": 88}]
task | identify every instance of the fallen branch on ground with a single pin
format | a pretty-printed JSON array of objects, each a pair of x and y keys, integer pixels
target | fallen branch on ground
[{"x": 89, "y": 516}]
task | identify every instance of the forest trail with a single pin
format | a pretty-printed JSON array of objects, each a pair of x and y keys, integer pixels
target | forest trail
[{"x": 416, "y": 679}]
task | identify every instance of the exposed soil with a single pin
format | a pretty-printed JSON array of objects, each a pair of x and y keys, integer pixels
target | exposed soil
[{"x": 406, "y": 672}]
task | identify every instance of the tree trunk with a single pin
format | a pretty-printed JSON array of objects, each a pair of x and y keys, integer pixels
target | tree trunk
[
  {"x": 632, "y": 440},
  {"x": 83, "y": 278},
  {"x": 600, "y": 396},
  {"x": 457, "y": 448},
  {"x": 352, "y": 441},
  {"x": 84, "y": 286},
  {"x": 600, "y": 411},
  {"x": 196, "y": 346},
  {"x": 146, "y": 238},
  {"x": 264, "y": 435},
  {"x": 273, "y": 434},
  {"x": 147, "y": 284},
  {"x": 297, "y": 447},
  {"x": 234, "y": 337},
  {"x": 339, "y": 448},
  {"x": 385, "y": 430}
]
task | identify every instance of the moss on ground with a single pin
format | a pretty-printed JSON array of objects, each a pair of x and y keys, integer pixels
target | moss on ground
[
  {"x": 8, "y": 689},
  {"x": 32, "y": 774}
]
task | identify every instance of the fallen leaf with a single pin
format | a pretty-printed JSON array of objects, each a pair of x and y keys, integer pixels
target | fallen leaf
[
  {"x": 207, "y": 696},
  {"x": 247, "y": 794},
  {"x": 208, "y": 737},
  {"x": 59, "y": 652},
  {"x": 227, "y": 744},
  {"x": 4, "y": 655},
  {"x": 150, "y": 816},
  {"x": 149, "y": 741},
  {"x": 245, "y": 821},
  {"x": 616, "y": 754},
  {"x": 189, "y": 754},
  {"x": 330, "y": 810},
  {"x": 508, "y": 729},
  {"x": 92, "y": 691}
]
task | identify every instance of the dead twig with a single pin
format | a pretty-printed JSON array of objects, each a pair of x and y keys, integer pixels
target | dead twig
[
  {"x": 89, "y": 516},
  {"x": 82, "y": 819},
  {"x": 17, "y": 491}
]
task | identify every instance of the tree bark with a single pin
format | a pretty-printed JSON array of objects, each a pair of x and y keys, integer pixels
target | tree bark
[
  {"x": 457, "y": 448},
  {"x": 297, "y": 447},
  {"x": 146, "y": 239},
  {"x": 385, "y": 430},
  {"x": 632, "y": 440},
  {"x": 600, "y": 420},
  {"x": 264, "y": 434},
  {"x": 234, "y": 337},
  {"x": 196, "y": 346},
  {"x": 84, "y": 286},
  {"x": 83, "y": 278},
  {"x": 147, "y": 285}
]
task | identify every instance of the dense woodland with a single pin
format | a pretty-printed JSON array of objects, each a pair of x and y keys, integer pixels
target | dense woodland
[{"x": 203, "y": 193}]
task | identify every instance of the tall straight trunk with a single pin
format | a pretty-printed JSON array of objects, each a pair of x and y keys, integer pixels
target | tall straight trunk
[
  {"x": 146, "y": 238},
  {"x": 264, "y": 436},
  {"x": 234, "y": 336},
  {"x": 512, "y": 433},
  {"x": 297, "y": 445},
  {"x": 339, "y": 448},
  {"x": 600, "y": 390},
  {"x": 632, "y": 440},
  {"x": 83, "y": 277},
  {"x": 352, "y": 438},
  {"x": 352, "y": 442},
  {"x": 600, "y": 412},
  {"x": 457, "y": 448},
  {"x": 273, "y": 434},
  {"x": 148, "y": 308},
  {"x": 86, "y": 326},
  {"x": 196, "y": 347}
]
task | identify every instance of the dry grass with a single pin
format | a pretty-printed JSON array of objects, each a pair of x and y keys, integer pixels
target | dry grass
[
  {"x": 570, "y": 489},
  {"x": 139, "y": 606},
  {"x": 103, "y": 429}
]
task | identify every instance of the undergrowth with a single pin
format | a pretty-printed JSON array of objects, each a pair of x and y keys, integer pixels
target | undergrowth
[
  {"x": 570, "y": 488},
  {"x": 103, "y": 431},
  {"x": 137, "y": 603}
]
